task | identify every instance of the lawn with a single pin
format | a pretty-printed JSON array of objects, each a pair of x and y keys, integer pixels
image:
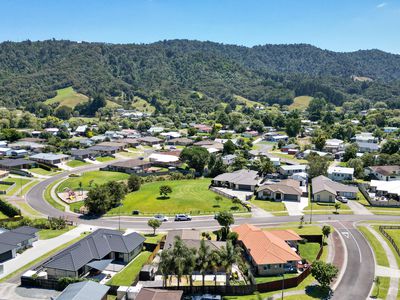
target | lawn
[
  {"x": 247, "y": 102},
  {"x": 188, "y": 196},
  {"x": 41, "y": 171},
  {"x": 380, "y": 254},
  {"x": 131, "y": 271},
  {"x": 28, "y": 186},
  {"x": 270, "y": 206},
  {"x": 382, "y": 292},
  {"x": 288, "y": 156},
  {"x": 105, "y": 158},
  {"x": 153, "y": 239},
  {"x": 323, "y": 208},
  {"x": 263, "y": 279},
  {"x": 49, "y": 199},
  {"x": 300, "y": 103},
  {"x": 28, "y": 210},
  {"x": 46, "y": 234},
  {"x": 67, "y": 97},
  {"x": 98, "y": 177},
  {"x": 19, "y": 182},
  {"x": 76, "y": 205},
  {"x": 76, "y": 163},
  {"x": 309, "y": 251},
  {"x": 394, "y": 233}
]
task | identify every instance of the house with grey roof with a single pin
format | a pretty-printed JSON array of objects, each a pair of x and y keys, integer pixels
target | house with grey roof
[
  {"x": 159, "y": 294},
  {"x": 285, "y": 190},
  {"x": 49, "y": 158},
  {"x": 82, "y": 154},
  {"x": 104, "y": 150},
  {"x": 289, "y": 170},
  {"x": 19, "y": 163},
  {"x": 367, "y": 147},
  {"x": 150, "y": 140},
  {"x": 337, "y": 173},
  {"x": 84, "y": 290},
  {"x": 191, "y": 238},
  {"x": 16, "y": 239},
  {"x": 246, "y": 180},
  {"x": 326, "y": 190},
  {"x": 95, "y": 251}
]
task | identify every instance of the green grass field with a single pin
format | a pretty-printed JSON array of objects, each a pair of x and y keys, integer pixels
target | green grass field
[
  {"x": 306, "y": 229},
  {"x": 98, "y": 177},
  {"x": 300, "y": 103},
  {"x": 380, "y": 254},
  {"x": 129, "y": 273},
  {"x": 19, "y": 182},
  {"x": 41, "y": 171},
  {"x": 76, "y": 163},
  {"x": 49, "y": 199},
  {"x": 327, "y": 207},
  {"x": 3, "y": 216},
  {"x": 188, "y": 196},
  {"x": 142, "y": 105},
  {"x": 309, "y": 251},
  {"x": 153, "y": 239},
  {"x": 46, "y": 234},
  {"x": 395, "y": 235},
  {"x": 67, "y": 97},
  {"x": 105, "y": 158},
  {"x": 247, "y": 102},
  {"x": 270, "y": 206},
  {"x": 382, "y": 291}
]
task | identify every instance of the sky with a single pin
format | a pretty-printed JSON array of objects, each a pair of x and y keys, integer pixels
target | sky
[{"x": 329, "y": 24}]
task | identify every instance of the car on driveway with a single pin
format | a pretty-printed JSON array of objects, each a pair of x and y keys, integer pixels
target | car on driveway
[
  {"x": 342, "y": 199},
  {"x": 182, "y": 217},
  {"x": 161, "y": 218}
]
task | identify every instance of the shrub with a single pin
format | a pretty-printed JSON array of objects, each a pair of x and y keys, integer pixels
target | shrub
[{"x": 8, "y": 209}]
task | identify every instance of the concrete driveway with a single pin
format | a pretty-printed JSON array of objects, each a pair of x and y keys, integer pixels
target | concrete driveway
[
  {"x": 296, "y": 208},
  {"x": 11, "y": 291}
]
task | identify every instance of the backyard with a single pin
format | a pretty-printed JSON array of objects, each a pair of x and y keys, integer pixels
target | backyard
[{"x": 188, "y": 196}]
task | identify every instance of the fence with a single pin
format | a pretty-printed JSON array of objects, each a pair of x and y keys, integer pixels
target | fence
[
  {"x": 10, "y": 184},
  {"x": 390, "y": 203},
  {"x": 390, "y": 239}
]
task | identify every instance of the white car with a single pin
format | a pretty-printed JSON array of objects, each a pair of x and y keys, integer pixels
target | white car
[
  {"x": 161, "y": 218},
  {"x": 182, "y": 217},
  {"x": 342, "y": 199}
]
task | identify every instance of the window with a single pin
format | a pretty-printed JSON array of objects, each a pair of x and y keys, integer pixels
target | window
[{"x": 318, "y": 197}]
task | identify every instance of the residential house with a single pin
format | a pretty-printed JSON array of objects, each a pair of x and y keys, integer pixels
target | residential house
[
  {"x": 290, "y": 149},
  {"x": 81, "y": 130},
  {"x": 367, "y": 147},
  {"x": 301, "y": 177},
  {"x": 192, "y": 239},
  {"x": 334, "y": 145},
  {"x": 340, "y": 173},
  {"x": 150, "y": 140},
  {"x": 228, "y": 159},
  {"x": 171, "y": 135},
  {"x": 155, "y": 129},
  {"x": 94, "y": 250},
  {"x": 16, "y": 239},
  {"x": 277, "y": 137},
  {"x": 387, "y": 189},
  {"x": 82, "y": 154},
  {"x": 5, "y": 151},
  {"x": 365, "y": 137},
  {"x": 269, "y": 252},
  {"x": 390, "y": 129},
  {"x": 203, "y": 128},
  {"x": 119, "y": 145},
  {"x": 165, "y": 159},
  {"x": 285, "y": 190},
  {"x": 307, "y": 152},
  {"x": 104, "y": 150},
  {"x": 131, "y": 142},
  {"x": 132, "y": 166},
  {"x": 52, "y": 130},
  {"x": 159, "y": 294},
  {"x": 239, "y": 180},
  {"x": 289, "y": 170},
  {"x": 385, "y": 173},
  {"x": 20, "y": 153},
  {"x": 49, "y": 158},
  {"x": 326, "y": 190},
  {"x": 32, "y": 146},
  {"x": 180, "y": 142},
  {"x": 84, "y": 290},
  {"x": 19, "y": 163}
]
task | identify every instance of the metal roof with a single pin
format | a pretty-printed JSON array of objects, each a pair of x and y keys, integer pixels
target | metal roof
[{"x": 85, "y": 290}]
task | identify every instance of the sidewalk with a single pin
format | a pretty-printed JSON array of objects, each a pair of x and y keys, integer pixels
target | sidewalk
[{"x": 40, "y": 248}]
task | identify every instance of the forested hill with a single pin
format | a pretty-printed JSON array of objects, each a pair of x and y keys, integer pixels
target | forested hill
[{"x": 172, "y": 70}]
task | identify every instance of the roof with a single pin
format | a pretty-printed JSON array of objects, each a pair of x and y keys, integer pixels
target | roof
[
  {"x": 290, "y": 146},
  {"x": 391, "y": 187},
  {"x": 116, "y": 144},
  {"x": 49, "y": 156},
  {"x": 341, "y": 170},
  {"x": 103, "y": 148},
  {"x": 333, "y": 142},
  {"x": 386, "y": 170},
  {"x": 181, "y": 140},
  {"x": 85, "y": 290},
  {"x": 132, "y": 163},
  {"x": 82, "y": 152},
  {"x": 150, "y": 139},
  {"x": 372, "y": 146},
  {"x": 94, "y": 247},
  {"x": 158, "y": 294},
  {"x": 323, "y": 183},
  {"x": 246, "y": 177},
  {"x": 267, "y": 247},
  {"x": 163, "y": 157},
  {"x": 289, "y": 186},
  {"x": 10, "y": 239},
  {"x": 184, "y": 234},
  {"x": 15, "y": 162},
  {"x": 293, "y": 167}
]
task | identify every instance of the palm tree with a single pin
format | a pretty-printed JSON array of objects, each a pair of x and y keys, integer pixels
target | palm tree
[
  {"x": 203, "y": 259},
  {"x": 166, "y": 264},
  {"x": 228, "y": 256}
]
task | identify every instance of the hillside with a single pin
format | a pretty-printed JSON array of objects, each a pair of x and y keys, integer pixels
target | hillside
[{"x": 166, "y": 73}]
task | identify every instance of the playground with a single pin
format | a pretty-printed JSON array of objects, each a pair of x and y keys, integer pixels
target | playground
[{"x": 70, "y": 196}]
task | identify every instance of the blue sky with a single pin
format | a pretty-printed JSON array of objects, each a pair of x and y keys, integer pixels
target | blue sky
[{"x": 330, "y": 24}]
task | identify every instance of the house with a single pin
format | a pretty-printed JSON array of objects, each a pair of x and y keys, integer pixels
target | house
[
  {"x": 334, "y": 145},
  {"x": 228, "y": 159},
  {"x": 307, "y": 152},
  {"x": 32, "y": 146},
  {"x": 111, "y": 134},
  {"x": 365, "y": 137},
  {"x": 99, "y": 247},
  {"x": 388, "y": 189},
  {"x": 82, "y": 154},
  {"x": 119, "y": 145},
  {"x": 16, "y": 239},
  {"x": 80, "y": 130},
  {"x": 278, "y": 137},
  {"x": 289, "y": 170},
  {"x": 385, "y": 173},
  {"x": 340, "y": 173},
  {"x": 86, "y": 142},
  {"x": 367, "y": 147},
  {"x": 131, "y": 142},
  {"x": 159, "y": 294},
  {"x": 171, "y": 135},
  {"x": 165, "y": 159},
  {"x": 290, "y": 149},
  {"x": 326, "y": 190},
  {"x": 285, "y": 190},
  {"x": 191, "y": 238},
  {"x": 52, "y": 130},
  {"x": 150, "y": 140},
  {"x": 19, "y": 163},
  {"x": 132, "y": 166},
  {"x": 180, "y": 142},
  {"x": 5, "y": 151},
  {"x": 49, "y": 158},
  {"x": 98, "y": 138},
  {"x": 20, "y": 153},
  {"x": 276, "y": 161},
  {"x": 269, "y": 252},
  {"x": 203, "y": 128},
  {"x": 84, "y": 290},
  {"x": 104, "y": 150},
  {"x": 301, "y": 177},
  {"x": 239, "y": 180},
  {"x": 155, "y": 129},
  {"x": 390, "y": 129}
]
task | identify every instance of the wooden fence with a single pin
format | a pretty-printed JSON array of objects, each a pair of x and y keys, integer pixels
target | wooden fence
[{"x": 390, "y": 239}]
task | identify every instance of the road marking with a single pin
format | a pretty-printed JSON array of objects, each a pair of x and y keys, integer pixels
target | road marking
[
  {"x": 358, "y": 246},
  {"x": 345, "y": 233}
]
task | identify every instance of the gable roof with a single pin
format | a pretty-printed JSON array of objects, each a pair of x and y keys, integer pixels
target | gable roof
[
  {"x": 158, "y": 294},
  {"x": 246, "y": 177},
  {"x": 85, "y": 290},
  {"x": 9, "y": 162},
  {"x": 94, "y": 246},
  {"x": 386, "y": 170},
  {"x": 323, "y": 183},
  {"x": 288, "y": 186},
  {"x": 10, "y": 239},
  {"x": 266, "y": 247}
]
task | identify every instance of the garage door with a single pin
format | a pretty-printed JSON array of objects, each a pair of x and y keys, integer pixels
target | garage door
[
  {"x": 245, "y": 187},
  {"x": 290, "y": 197}
]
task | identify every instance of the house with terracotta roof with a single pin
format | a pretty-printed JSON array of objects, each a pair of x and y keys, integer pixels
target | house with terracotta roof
[
  {"x": 285, "y": 190},
  {"x": 271, "y": 252}
]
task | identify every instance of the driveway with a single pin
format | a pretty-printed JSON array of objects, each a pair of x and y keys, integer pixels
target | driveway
[
  {"x": 296, "y": 208},
  {"x": 357, "y": 208},
  {"x": 11, "y": 291}
]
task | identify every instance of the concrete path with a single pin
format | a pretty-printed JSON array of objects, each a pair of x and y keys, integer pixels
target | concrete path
[
  {"x": 11, "y": 291},
  {"x": 384, "y": 271},
  {"x": 394, "y": 279},
  {"x": 40, "y": 248},
  {"x": 296, "y": 208},
  {"x": 357, "y": 208}
]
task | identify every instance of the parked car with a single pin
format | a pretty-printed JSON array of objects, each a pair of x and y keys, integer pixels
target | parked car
[
  {"x": 342, "y": 199},
  {"x": 182, "y": 217},
  {"x": 161, "y": 218}
]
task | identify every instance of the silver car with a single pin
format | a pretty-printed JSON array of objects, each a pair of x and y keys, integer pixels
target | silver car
[
  {"x": 182, "y": 217},
  {"x": 161, "y": 218}
]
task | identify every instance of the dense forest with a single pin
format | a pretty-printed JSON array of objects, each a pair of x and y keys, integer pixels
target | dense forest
[{"x": 167, "y": 73}]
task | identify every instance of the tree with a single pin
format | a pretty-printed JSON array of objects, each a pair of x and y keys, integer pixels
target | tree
[
  {"x": 229, "y": 255},
  {"x": 263, "y": 166},
  {"x": 196, "y": 157},
  {"x": 316, "y": 109},
  {"x": 218, "y": 198},
  {"x": 183, "y": 259},
  {"x": 391, "y": 147},
  {"x": 323, "y": 272},
  {"x": 319, "y": 141},
  {"x": 216, "y": 166},
  {"x": 97, "y": 200},
  {"x": 301, "y": 222},
  {"x": 229, "y": 147},
  {"x": 350, "y": 152},
  {"x": 358, "y": 166},
  {"x": 63, "y": 112},
  {"x": 80, "y": 187},
  {"x": 134, "y": 183},
  {"x": 154, "y": 223},
  {"x": 225, "y": 219},
  {"x": 165, "y": 190},
  {"x": 337, "y": 206},
  {"x": 257, "y": 125},
  {"x": 203, "y": 259},
  {"x": 317, "y": 165},
  {"x": 293, "y": 126},
  {"x": 326, "y": 231},
  {"x": 166, "y": 264}
]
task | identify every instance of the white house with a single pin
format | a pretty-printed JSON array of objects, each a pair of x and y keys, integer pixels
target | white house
[
  {"x": 289, "y": 170},
  {"x": 5, "y": 151},
  {"x": 385, "y": 173},
  {"x": 367, "y": 147},
  {"x": 365, "y": 137},
  {"x": 340, "y": 173},
  {"x": 334, "y": 145},
  {"x": 228, "y": 159}
]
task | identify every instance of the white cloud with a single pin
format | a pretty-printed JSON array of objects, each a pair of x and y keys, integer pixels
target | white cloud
[{"x": 381, "y": 5}]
